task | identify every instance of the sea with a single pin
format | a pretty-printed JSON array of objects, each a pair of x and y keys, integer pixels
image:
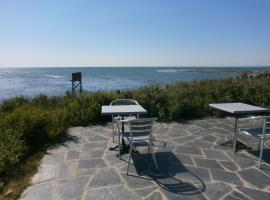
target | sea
[{"x": 54, "y": 81}]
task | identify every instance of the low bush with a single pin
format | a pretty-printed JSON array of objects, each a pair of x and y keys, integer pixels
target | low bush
[
  {"x": 26, "y": 130},
  {"x": 12, "y": 148}
]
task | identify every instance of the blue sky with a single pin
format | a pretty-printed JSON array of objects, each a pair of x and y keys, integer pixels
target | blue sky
[{"x": 37, "y": 33}]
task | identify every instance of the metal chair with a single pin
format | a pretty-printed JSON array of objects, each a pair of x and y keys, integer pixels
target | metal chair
[
  {"x": 140, "y": 134},
  {"x": 261, "y": 133},
  {"x": 118, "y": 102}
]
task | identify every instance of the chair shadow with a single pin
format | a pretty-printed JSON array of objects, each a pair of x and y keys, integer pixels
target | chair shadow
[
  {"x": 265, "y": 157},
  {"x": 166, "y": 176}
]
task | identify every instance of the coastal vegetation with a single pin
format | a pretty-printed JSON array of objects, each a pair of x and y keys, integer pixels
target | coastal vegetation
[{"x": 29, "y": 126}]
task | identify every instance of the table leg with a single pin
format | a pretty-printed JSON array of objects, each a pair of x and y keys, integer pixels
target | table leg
[
  {"x": 123, "y": 126},
  {"x": 114, "y": 145},
  {"x": 113, "y": 128},
  {"x": 122, "y": 147},
  {"x": 119, "y": 145},
  {"x": 235, "y": 135}
]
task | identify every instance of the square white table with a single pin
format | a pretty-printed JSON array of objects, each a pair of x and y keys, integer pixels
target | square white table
[
  {"x": 238, "y": 109},
  {"x": 123, "y": 110}
]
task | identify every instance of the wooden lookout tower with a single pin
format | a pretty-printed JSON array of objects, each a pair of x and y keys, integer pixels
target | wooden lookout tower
[{"x": 76, "y": 82}]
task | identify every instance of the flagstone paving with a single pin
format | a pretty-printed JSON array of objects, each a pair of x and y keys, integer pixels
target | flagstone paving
[{"x": 192, "y": 166}]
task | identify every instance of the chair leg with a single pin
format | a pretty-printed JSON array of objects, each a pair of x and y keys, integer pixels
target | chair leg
[
  {"x": 261, "y": 151},
  {"x": 119, "y": 144},
  {"x": 113, "y": 136},
  {"x": 130, "y": 154},
  {"x": 113, "y": 129},
  {"x": 153, "y": 155},
  {"x": 259, "y": 146}
]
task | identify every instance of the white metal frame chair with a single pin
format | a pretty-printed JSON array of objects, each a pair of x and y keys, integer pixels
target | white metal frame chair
[
  {"x": 140, "y": 134},
  {"x": 262, "y": 133},
  {"x": 118, "y": 102}
]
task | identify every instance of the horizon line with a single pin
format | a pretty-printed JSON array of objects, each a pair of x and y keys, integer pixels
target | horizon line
[{"x": 142, "y": 66}]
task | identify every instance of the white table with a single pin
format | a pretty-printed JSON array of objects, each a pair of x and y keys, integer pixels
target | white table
[
  {"x": 123, "y": 110},
  {"x": 238, "y": 109}
]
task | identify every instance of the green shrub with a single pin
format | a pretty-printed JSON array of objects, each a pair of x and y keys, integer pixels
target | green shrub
[
  {"x": 10, "y": 104},
  {"x": 85, "y": 109},
  {"x": 35, "y": 126},
  {"x": 11, "y": 148}
]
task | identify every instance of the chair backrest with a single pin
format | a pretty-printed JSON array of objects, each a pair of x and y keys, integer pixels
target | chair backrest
[
  {"x": 118, "y": 102},
  {"x": 266, "y": 127},
  {"x": 141, "y": 127}
]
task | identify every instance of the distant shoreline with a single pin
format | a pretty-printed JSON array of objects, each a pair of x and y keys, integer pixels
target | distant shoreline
[
  {"x": 221, "y": 71},
  {"x": 25, "y": 67}
]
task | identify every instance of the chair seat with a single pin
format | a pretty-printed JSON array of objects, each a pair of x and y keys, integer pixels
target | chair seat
[
  {"x": 117, "y": 118},
  {"x": 135, "y": 139},
  {"x": 255, "y": 132}
]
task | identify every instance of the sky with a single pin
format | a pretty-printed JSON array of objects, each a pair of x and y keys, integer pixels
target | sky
[{"x": 63, "y": 33}]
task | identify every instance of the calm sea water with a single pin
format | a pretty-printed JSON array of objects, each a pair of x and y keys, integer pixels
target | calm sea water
[{"x": 56, "y": 81}]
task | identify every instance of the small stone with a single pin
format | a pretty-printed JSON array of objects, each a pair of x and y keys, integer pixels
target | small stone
[
  {"x": 154, "y": 196},
  {"x": 135, "y": 182},
  {"x": 185, "y": 159},
  {"x": 255, "y": 194},
  {"x": 71, "y": 155},
  {"x": 209, "y": 138},
  {"x": 55, "y": 157},
  {"x": 94, "y": 153},
  {"x": 66, "y": 170},
  {"x": 239, "y": 195},
  {"x": 217, "y": 190},
  {"x": 45, "y": 172},
  {"x": 112, "y": 160},
  {"x": 186, "y": 191},
  {"x": 204, "y": 124},
  {"x": 143, "y": 192},
  {"x": 98, "y": 138},
  {"x": 176, "y": 132},
  {"x": 106, "y": 177},
  {"x": 112, "y": 193},
  {"x": 244, "y": 162},
  {"x": 214, "y": 154},
  {"x": 188, "y": 150},
  {"x": 199, "y": 173},
  {"x": 227, "y": 177},
  {"x": 207, "y": 163},
  {"x": 91, "y": 163},
  {"x": 182, "y": 140},
  {"x": 229, "y": 165},
  {"x": 255, "y": 177},
  {"x": 231, "y": 197},
  {"x": 161, "y": 131},
  {"x": 71, "y": 188},
  {"x": 86, "y": 172},
  {"x": 194, "y": 129}
]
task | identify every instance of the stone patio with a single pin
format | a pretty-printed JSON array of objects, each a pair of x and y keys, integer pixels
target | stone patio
[{"x": 193, "y": 166}]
